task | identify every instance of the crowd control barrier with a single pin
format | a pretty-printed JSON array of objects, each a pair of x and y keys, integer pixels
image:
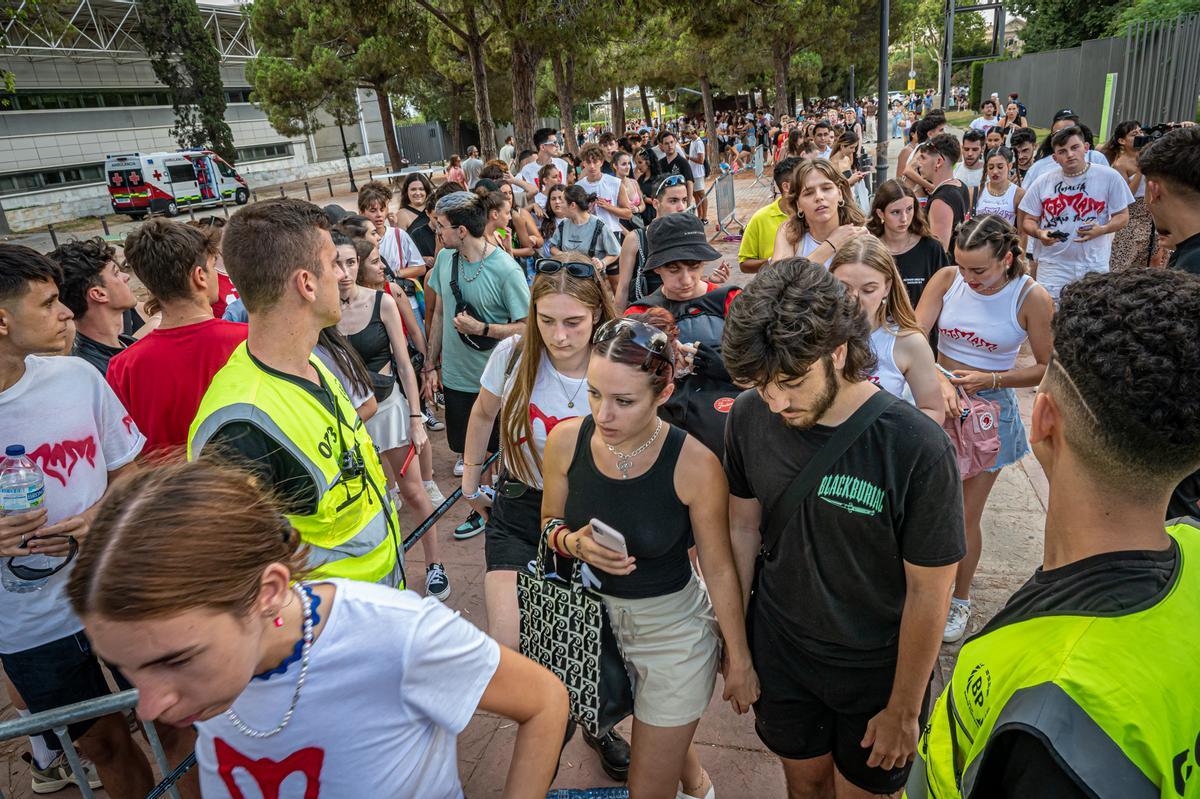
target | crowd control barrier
[{"x": 59, "y": 719}]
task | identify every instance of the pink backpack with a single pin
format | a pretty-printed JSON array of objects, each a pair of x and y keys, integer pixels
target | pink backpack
[{"x": 975, "y": 433}]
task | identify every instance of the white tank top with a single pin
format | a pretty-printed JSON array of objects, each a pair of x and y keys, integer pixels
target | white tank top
[
  {"x": 1003, "y": 207},
  {"x": 807, "y": 245},
  {"x": 981, "y": 330},
  {"x": 887, "y": 375}
]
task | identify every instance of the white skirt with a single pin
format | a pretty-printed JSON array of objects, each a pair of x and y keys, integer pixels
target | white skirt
[{"x": 389, "y": 427}]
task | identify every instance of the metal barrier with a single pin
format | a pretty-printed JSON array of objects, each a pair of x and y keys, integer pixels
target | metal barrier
[
  {"x": 59, "y": 719},
  {"x": 759, "y": 165},
  {"x": 727, "y": 207}
]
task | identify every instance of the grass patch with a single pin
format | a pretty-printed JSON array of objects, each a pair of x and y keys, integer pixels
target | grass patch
[{"x": 962, "y": 119}]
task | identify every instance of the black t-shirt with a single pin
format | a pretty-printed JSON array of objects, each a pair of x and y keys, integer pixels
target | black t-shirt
[
  {"x": 836, "y": 585},
  {"x": 260, "y": 452},
  {"x": 678, "y": 165},
  {"x": 1019, "y": 763},
  {"x": 919, "y": 264},
  {"x": 959, "y": 200},
  {"x": 1187, "y": 255},
  {"x": 1185, "y": 501},
  {"x": 96, "y": 353}
]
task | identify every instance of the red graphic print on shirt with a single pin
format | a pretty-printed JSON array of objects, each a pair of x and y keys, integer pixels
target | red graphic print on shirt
[
  {"x": 128, "y": 422},
  {"x": 550, "y": 422},
  {"x": 269, "y": 774},
  {"x": 59, "y": 460},
  {"x": 968, "y": 336},
  {"x": 1083, "y": 205}
]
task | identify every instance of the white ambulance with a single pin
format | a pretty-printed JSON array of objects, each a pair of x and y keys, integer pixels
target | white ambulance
[{"x": 168, "y": 183}]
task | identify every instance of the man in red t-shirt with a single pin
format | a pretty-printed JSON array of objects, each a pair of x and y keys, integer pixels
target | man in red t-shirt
[{"x": 161, "y": 379}]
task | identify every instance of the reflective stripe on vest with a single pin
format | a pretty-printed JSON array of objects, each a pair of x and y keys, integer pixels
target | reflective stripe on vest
[
  {"x": 1113, "y": 696},
  {"x": 352, "y": 531}
]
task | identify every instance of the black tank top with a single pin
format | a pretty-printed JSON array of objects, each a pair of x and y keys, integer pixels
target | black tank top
[
  {"x": 372, "y": 343},
  {"x": 959, "y": 200},
  {"x": 422, "y": 234},
  {"x": 645, "y": 509}
]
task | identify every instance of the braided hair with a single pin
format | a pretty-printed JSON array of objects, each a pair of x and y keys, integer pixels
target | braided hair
[{"x": 998, "y": 235}]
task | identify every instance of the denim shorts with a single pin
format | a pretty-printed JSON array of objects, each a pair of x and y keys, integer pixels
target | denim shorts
[
  {"x": 1014, "y": 444},
  {"x": 59, "y": 673}
]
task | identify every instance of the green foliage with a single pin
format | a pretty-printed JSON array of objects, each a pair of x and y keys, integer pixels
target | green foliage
[
  {"x": 1056, "y": 24},
  {"x": 186, "y": 61},
  {"x": 975, "y": 98},
  {"x": 1147, "y": 10}
]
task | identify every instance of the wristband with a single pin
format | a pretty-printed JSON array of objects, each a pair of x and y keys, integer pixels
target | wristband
[
  {"x": 478, "y": 493},
  {"x": 560, "y": 542},
  {"x": 486, "y": 328},
  {"x": 416, "y": 416}
]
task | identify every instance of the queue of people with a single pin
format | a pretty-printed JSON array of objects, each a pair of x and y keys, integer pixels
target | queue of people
[{"x": 222, "y": 497}]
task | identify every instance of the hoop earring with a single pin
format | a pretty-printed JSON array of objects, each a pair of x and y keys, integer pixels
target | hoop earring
[{"x": 841, "y": 203}]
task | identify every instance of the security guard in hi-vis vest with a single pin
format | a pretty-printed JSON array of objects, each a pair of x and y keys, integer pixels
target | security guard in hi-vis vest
[
  {"x": 278, "y": 409},
  {"x": 1087, "y": 683}
]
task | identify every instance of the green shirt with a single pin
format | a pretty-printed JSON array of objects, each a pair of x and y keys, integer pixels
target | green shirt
[
  {"x": 499, "y": 295},
  {"x": 758, "y": 239}
]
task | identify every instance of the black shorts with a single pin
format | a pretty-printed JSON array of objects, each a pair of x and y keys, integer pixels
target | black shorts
[
  {"x": 808, "y": 708},
  {"x": 511, "y": 534},
  {"x": 59, "y": 673},
  {"x": 458, "y": 414}
]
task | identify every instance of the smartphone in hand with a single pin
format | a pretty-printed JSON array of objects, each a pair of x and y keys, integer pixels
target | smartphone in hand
[{"x": 609, "y": 538}]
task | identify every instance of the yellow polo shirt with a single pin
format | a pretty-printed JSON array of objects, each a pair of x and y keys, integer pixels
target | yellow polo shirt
[{"x": 758, "y": 239}]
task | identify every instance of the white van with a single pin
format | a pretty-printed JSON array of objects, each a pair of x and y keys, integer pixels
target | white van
[{"x": 170, "y": 183}]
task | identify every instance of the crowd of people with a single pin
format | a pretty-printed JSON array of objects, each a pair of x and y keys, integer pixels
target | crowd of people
[{"x": 781, "y": 483}]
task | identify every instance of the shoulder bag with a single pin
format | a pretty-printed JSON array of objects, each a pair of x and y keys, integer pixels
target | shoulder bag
[
  {"x": 975, "y": 433},
  {"x": 477, "y": 343}
]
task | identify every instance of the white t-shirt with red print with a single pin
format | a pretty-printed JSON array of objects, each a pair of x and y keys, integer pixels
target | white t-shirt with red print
[
  {"x": 392, "y": 680},
  {"x": 1062, "y": 203},
  {"x": 549, "y": 402},
  {"x": 75, "y": 429}
]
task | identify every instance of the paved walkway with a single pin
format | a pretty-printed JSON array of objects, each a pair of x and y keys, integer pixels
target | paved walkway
[{"x": 729, "y": 749}]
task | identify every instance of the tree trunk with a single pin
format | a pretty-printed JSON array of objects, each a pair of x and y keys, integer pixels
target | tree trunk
[
  {"x": 646, "y": 115},
  {"x": 710, "y": 120},
  {"x": 456, "y": 122},
  {"x": 617, "y": 100},
  {"x": 483, "y": 102},
  {"x": 524, "y": 103},
  {"x": 779, "y": 66},
  {"x": 564, "y": 87},
  {"x": 389, "y": 128}
]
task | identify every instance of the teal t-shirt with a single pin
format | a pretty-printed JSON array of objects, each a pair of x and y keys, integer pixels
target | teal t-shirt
[{"x": 499, "y": 294}]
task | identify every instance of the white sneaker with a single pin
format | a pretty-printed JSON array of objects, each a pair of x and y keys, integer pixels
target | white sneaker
[
  {"x": 956, "y": 621},
  {"x": 435, "y": 493},
  {"x": 709, "y": 794},
  {"x": 458, "y": 467},
  {"x": 58, "y": 776},
  {"x": 394, "y": 496}
]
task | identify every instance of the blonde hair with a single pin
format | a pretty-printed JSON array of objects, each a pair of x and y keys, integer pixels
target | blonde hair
[
  {"x": 182, "y": 536},
  {"x": 848, "y": 211},
  {"x": 515, "y": 424},
  {"x": 870, "y": 251}
]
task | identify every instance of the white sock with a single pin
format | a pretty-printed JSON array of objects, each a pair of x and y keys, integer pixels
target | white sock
[
  {"x": 43, "y": 755},
  {"x": 966, "y": 603}
]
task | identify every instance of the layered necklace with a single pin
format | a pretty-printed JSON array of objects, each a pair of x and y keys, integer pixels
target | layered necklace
[
  {"x": 305, "y": 648},
  {"x": 625, "y": 462}
]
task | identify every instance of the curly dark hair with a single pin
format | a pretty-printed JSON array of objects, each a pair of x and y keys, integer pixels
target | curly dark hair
[
  {"x": 1127, "y": 352},
  {"x": 788, "y": 318},
  {"x": 82, "y": 264}
]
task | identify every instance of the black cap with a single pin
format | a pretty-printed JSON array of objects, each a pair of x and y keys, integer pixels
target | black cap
[
  {"x": 677, "y": 237},
  {"x": 1065, "y": 113}
]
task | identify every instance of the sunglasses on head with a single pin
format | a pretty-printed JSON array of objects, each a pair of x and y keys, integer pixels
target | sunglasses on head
[
  {"x": 647, "y": 337},
  {"x": 549, "y": 266}
]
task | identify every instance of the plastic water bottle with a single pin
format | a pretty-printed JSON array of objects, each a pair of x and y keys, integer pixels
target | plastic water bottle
[{"x": 22, "y": 489}]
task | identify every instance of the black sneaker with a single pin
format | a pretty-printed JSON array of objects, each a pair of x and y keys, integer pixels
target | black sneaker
[
  {"x": 437, "y": 584},
  {"x": 614, "y": 754},
  {"x": 472, "y": 527}
]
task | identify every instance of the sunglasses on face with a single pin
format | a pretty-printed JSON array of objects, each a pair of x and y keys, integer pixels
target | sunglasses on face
[
  {"x": 549, "y": 266},
  {"x": 646, "y": 337}
]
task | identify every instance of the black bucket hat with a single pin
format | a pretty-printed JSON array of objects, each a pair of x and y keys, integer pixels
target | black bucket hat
[{"x": 677, "y": 237}]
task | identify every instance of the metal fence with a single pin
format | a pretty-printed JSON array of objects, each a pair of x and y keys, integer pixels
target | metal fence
[
  {"x": 1160, "y": 75},
  {"x": 1157, "y": 68},
  {"x": 59, "y": 719}
]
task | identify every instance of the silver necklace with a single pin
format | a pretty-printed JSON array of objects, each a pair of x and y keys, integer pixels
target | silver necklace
[
  {"x": 245, "y": 728},
  {"x": 563, "y": 386},
  {"x": 478, "y": 271},
  {"x": 625, "y": 462}
]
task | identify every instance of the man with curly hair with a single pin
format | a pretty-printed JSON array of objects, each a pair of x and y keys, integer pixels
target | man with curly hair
[
  {"x": 1084, "y": 684},
  {"x": 97, "y": 292},
  {"x": 854, "y": 500}
]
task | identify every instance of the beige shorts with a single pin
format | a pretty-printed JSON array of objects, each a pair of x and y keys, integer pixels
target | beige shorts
[{"x": 672, "y": 653}]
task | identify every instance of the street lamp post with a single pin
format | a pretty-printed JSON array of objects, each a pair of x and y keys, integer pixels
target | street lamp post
[
  {"x": 881, "y": 113},
  {"x": 346, "y": 152}
]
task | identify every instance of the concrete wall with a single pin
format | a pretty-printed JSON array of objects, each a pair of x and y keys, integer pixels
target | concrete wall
[{"x": 35, "y": 209}]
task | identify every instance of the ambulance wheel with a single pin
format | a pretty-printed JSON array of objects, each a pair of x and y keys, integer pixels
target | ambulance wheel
[
  {"x": 172, "y": 209},
  {"x": 241, "y": 196}
]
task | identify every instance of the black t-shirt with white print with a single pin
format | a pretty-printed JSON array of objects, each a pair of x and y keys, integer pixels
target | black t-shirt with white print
[{"x": 836, "y": 584}]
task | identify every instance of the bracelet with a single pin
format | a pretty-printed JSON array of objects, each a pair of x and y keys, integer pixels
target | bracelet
[
  {"x": 995, "y": 380},
  {"x": 415, "y": 416},
  {"x": 471, "y": 464},
  {"x": 553, "y": 541},
  {"x": 486, "y": 328},
  {"x": 560, "y": 542},
  {"x": 478, "y": 493}
]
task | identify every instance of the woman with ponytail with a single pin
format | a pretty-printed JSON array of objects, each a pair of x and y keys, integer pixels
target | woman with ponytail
[
  {"x": 193, "y": 585},
  {"x": 984, "y": 310}
]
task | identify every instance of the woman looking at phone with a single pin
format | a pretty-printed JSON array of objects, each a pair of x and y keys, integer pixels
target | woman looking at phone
[{"x": 657, "y": 486}]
